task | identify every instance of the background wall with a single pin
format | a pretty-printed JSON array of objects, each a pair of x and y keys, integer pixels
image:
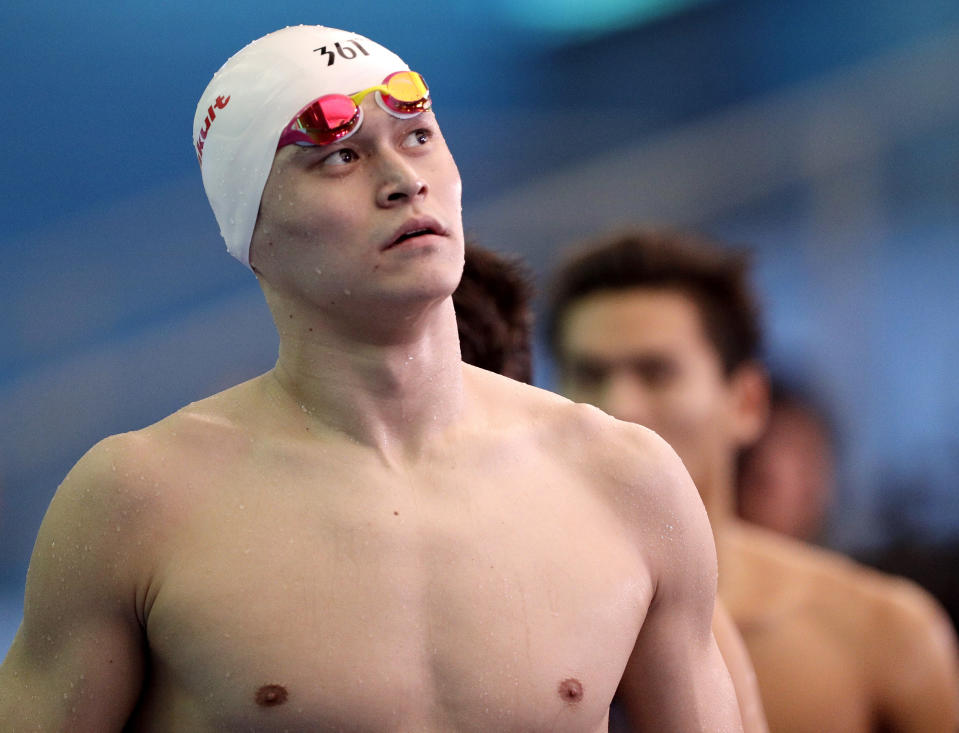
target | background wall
[{"x": 823, "y": 134}]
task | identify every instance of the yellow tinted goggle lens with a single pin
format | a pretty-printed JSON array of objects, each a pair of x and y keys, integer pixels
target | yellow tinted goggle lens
[
  {"x": 407, "y": 86},
  {"x": 403, "y": 90}
]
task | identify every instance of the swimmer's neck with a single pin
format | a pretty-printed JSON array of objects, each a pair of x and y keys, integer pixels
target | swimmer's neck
[
  {"x": 392, "y": 394},
  {"x": 715, "y": 482}
]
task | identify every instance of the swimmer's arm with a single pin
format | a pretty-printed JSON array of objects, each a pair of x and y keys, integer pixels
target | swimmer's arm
[
  {"x": 77, "y": 661},
  {"x": 676, "y": 680},
  {"x": 740, "y": 666},
  {"x": 919, "y": 685}
]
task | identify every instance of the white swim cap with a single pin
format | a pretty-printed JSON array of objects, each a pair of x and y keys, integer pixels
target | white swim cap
[{"x": 254, "y": 96}]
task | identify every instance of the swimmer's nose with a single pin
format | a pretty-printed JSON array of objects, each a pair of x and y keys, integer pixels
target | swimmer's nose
[{"x": 401, "y": 181}]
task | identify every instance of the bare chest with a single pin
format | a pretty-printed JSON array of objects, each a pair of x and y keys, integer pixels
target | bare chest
[
  {"x": 809, "y": 681},
  {"x": 501, "y": 605}
]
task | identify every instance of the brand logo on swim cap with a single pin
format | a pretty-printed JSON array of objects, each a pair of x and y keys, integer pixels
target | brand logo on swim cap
[
  {"x": 220, "y": 103},
  {"x": 342, "y": 50}
]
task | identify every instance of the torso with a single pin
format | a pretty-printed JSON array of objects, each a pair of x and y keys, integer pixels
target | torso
[
  {"x": 808, "y": 620},
  {"x": 301, "y": 584}
]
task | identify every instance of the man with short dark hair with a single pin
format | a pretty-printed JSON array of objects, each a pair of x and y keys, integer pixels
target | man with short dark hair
[
  {"x": 494, "y": 316},
  {"x": 661, "y": 328},
  {"x": 372, "y": 536}
]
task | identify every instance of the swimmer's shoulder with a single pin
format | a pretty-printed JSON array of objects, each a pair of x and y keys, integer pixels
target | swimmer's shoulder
[
  {"x": 801, "y": 564},
  {"x": 139, "y": 467},
  {"x": 650, "y": 493},
  {"x": 629, "y": 463},
  {"x": 585, "y": 434},
  {"x": 628, "y": 467},
  {"x": 794, "y": 575},
  {"x": 886, "y": 630},
  {"x": 892, "y": 626},
  {"x": 222, "y": 422},
  {"x": 630, "y": 460},
  {"x": 108, "y": 510},
  {"x": 850, "y": 600},
  {"x": 118, "y": 504}
]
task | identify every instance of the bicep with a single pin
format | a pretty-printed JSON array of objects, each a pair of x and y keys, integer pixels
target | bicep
[
  {"x": 82, "y": 676},
  {"x": 676, "y": 679},
  {"x": 77, "y": 660},
  {"x": 741, "y": 671}
]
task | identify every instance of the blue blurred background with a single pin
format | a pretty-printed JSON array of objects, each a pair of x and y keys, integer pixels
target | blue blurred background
[{"x": 824, "y": 134}]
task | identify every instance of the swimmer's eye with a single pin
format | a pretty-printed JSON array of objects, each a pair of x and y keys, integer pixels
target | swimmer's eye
[
  {"x": 418, "y": 138},
  {"x": 585, "y": 374},
  {"x": 343, "y": 156},
  {"x": 656, "y": 372}
]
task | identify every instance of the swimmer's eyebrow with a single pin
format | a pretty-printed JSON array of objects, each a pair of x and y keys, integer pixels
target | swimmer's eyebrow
[
  {"x": 307, "y": 154},
  {"x": 302, "y": 150},
  {"x": 427, "y": 114}
]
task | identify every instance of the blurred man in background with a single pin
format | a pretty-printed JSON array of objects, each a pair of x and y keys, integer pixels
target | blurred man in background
[
  {"x": 787, "y": 478},
  {"x": 662, "y": 329}
]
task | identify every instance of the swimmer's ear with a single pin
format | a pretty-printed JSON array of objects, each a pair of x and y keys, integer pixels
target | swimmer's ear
[{"x": 749, "y": 391}]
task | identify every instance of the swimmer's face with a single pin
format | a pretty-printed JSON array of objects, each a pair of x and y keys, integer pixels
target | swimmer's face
[
  {"x": 642, "y": 355},
  {"x": 333, "y": 218}
]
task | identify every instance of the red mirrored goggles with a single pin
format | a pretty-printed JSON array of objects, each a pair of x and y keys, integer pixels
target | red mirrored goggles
[{"x": 334, "y": 117}]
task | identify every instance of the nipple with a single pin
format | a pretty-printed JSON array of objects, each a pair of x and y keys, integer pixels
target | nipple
[
  {"x": 269, "y": 696},
  {"x": 571, "y": 690}
]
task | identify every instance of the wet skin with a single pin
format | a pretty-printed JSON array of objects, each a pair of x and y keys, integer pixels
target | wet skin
[{"x": 372, "y": 536}]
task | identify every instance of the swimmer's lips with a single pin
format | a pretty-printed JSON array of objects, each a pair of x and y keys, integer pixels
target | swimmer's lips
[{"x": 415, "y": 228}]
